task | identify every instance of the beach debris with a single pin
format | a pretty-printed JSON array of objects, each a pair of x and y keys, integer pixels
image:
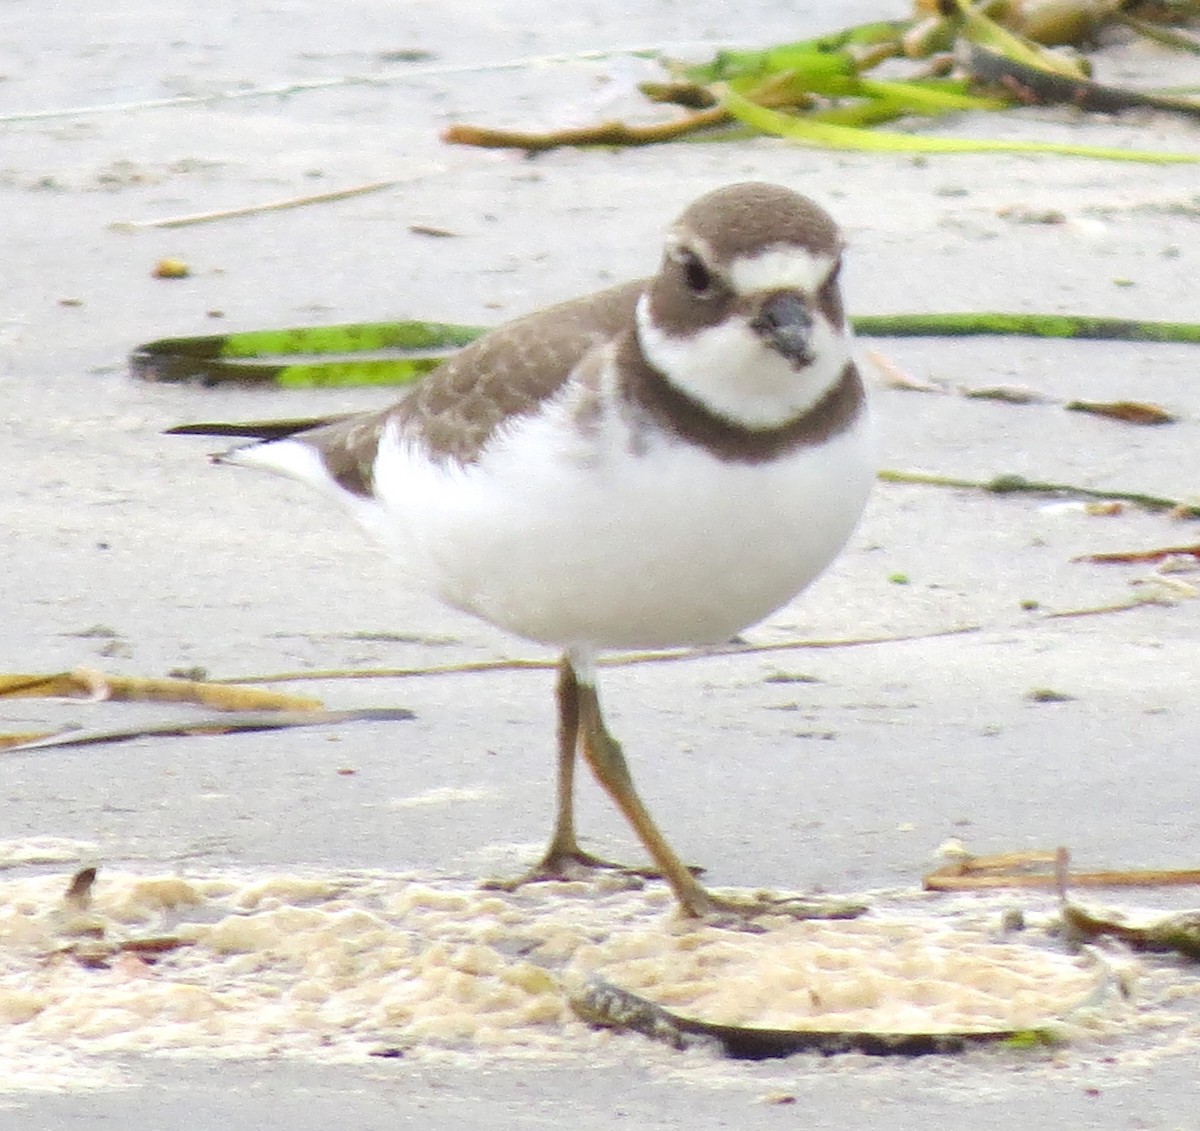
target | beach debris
[
  {"x": 399, "y": 353},
  {"x": 171, "y": 269},
  {"x": 951, "y": 57},
  {"x": 1042, "y": 869},
  {"x": 1131, "y": 412},
  {"x": 1010, "y": 484},
  {"x": 1156, "y": 554},
  {"x": 85, "y": 683}
]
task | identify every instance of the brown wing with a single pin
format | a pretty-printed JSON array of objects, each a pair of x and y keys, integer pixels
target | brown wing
[
  {"x": 453, "y": 412},
  {"x": 510, "y": 371}
]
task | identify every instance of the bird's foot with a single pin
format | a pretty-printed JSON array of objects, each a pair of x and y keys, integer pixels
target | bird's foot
[
  {"x": 752, "y": 911},
  {"x": 575, "y": 864}
]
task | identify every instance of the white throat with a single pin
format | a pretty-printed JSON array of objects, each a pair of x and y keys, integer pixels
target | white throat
[{"x": 731, "y": 371}]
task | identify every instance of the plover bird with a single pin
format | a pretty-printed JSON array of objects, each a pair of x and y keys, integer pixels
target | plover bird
[{"x": 660, "y": 464}]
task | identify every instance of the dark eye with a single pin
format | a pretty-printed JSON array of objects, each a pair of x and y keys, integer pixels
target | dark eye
[{"x": 698, "y": 278}]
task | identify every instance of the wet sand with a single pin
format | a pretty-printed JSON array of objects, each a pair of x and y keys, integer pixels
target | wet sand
[{"x": 125, "y": 551}]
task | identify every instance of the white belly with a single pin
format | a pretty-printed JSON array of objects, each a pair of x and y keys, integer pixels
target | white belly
[{"x": 574, "y": 545}]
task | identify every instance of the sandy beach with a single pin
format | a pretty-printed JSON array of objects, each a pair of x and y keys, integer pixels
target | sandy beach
[{"x": 836, "y": 770}]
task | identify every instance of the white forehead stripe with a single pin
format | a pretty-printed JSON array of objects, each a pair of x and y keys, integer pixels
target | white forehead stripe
[{"x": 781, "y": 268}]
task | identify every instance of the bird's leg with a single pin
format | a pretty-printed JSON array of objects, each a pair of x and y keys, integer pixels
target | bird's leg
[
  {"x": 564, "y": 859},
  {"x": 563, "y": 844},
  {"x": 581, "y": 727},
  {"x": 604, "y": 755}
]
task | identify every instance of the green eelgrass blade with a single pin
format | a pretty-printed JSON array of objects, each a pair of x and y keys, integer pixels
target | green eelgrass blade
[
  {"x": 928, "y": 97},
  {"x": 244, "y": 357},
  {"x": 1009, "y": 484},
  {"x": 885, "y": 102},
  {"x": 865, "y": 101},
  {"x": 273, "y": 356},
  {"x": 352, "y": 337},
  {"x": 346, "y": 374},
  {"x": 987, "y": 33},
  {"x": 828, "y": 135},
  {"x": 1082, "y": 327},
  {"x": 286, "y": 375},
  {"x": 728, "y": 65}
]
